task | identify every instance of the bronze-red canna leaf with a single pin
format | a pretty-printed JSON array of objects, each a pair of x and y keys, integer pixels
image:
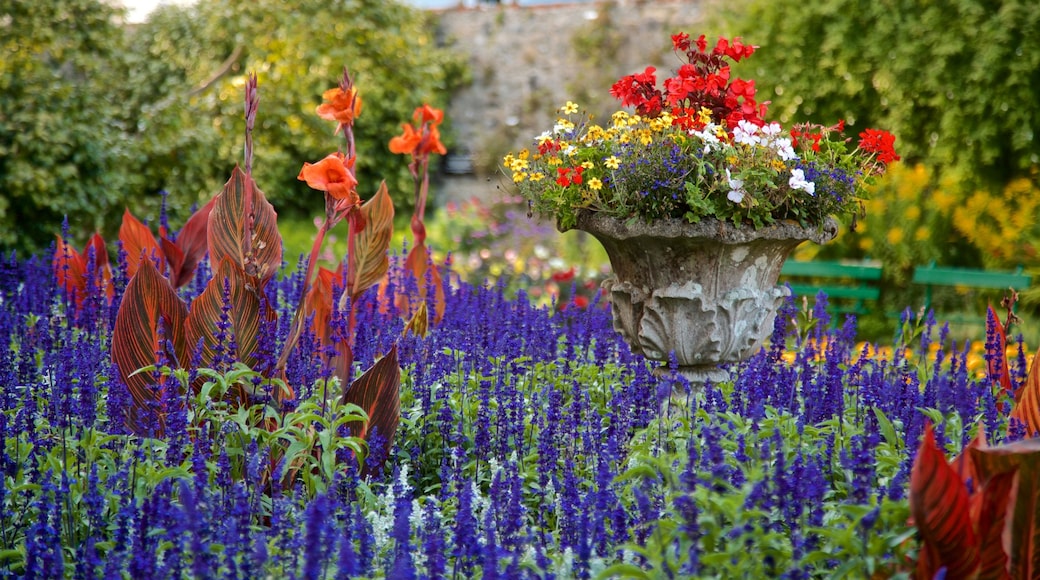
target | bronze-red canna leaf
[
  {"x": 1027, "y": 405},
  {"x": 247, "y": 307},
  {"x": 1022, "y": 532},
  {"x": 997, "y": 364},
  {"x": 243, "y": 227},
  {"x": 148, "y": 301},
  {"x": 989, "y": 512},
  {"x": 377, "y": 392},
  {"x": 941, "y": 511},
  {"x": 371, "y": 243},
  {"x": 69, "y": 270},
  {"x": 139, "y": 243},
  {"x": 184, "y": 255},
  {"x": 419, "y": 266}
]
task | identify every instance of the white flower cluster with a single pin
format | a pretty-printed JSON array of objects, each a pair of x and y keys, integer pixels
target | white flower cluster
[{"x": 751, "y": 135}]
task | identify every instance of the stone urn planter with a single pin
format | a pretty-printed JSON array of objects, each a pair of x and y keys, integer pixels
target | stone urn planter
[{"x": 706, "y": 291}]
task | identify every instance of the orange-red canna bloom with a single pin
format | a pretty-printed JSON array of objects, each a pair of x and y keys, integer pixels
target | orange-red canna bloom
[
  {"x": 333, "y": 174},
  {"x": 422, "y": 138},
  {"x": 342, "y": 106},
  {"x": 407, "y": 142}
]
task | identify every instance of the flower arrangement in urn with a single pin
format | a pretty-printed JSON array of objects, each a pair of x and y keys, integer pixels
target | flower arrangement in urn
[
  {"x": 697, "y": 148},
  {"x": 697, "y": 200}
]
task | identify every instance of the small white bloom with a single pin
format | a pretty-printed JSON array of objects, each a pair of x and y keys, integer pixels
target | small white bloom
[
  {"x": 798, "y": 181},
  {"x": 784, "y": 149},
  {"x": 747, "y": 133},
  {"x": 771, "y": 129},
  {"x": 708, "y": 138},
  {"x": 736, "y": 191}
]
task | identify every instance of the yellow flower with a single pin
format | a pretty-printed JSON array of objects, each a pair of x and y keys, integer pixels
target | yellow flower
[
  {"x": 619, "y": 118},
  {"x": 645, "y": 137},
  {"x": 595, "y": 184},
  {"x": 595, "y": 133},
  {"x": 704, "y": 115},
  {"x": 612, "y": 162},
  {"x": 536, "y": 176},
  {"x": 570, "y": 108},
  {"x": 588, "y": 164},
  {"x": 518, "y": 176},
  {"x": 524, "y": 154}
]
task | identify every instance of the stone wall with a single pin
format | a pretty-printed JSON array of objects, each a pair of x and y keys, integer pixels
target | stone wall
[{"x": 526, "y": 61}]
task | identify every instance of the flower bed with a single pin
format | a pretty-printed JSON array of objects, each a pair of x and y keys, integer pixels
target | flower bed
[{"x": 531, "y": 443}]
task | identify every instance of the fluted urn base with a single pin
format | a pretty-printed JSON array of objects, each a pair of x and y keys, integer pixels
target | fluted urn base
[{"x": 706, "y": 293}]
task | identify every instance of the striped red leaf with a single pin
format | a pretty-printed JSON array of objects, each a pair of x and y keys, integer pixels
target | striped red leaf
[
  {"x": 377, "y": 392},
  {"x": 148, "y": 301},
  {"x": 1027, "y": 405},
  {"x": 371, "y": 242},
  {"x": 989, "y": 511},
  {"x": 1021, "y": 459},
  {"x": 190, "y": 247},
  {"x": 138, "y": 242},
  {"x": 941, "y": 511},
  {"x": 69, "y": 269},
  {"x": 243, "y": 227},
  {"x": 418, "y": 264},
  {"x": 319, "y": 303},
  {"x": 247, "y": 307},
  {"x": 997, "y": 365}
]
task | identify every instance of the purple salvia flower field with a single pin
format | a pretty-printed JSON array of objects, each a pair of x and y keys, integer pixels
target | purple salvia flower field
[{"x": 532, "y": 444}]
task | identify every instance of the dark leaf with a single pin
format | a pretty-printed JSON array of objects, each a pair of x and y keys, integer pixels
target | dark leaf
[
  {"x": 377, "y": 392},
  {"x": 148, "y": 298},
  {"x": 940, "y": 508}
]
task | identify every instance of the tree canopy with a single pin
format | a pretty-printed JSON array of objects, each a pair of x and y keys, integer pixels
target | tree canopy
[
  {"x": 96, "y": 114},
  {"x": 956, "y": 81}
]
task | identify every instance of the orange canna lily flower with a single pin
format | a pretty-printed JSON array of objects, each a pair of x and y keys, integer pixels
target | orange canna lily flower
[
  {"x": 342, "y": 106},
  {"x": 334, "y": 175},
  {"x": 407, "y": 142},
  {"x": 422, "y": 138},
  {"x": 432, "y": 143},
  {"x": 426, "y": 114}
]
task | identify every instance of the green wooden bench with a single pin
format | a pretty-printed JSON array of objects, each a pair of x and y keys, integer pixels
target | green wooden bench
[
  {"x": 932, "y": 277},
  {"x": 849, "y": 286}
]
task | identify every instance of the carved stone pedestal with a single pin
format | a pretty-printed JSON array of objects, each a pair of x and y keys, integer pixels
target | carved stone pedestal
[{"x": 705, "y": 291}]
